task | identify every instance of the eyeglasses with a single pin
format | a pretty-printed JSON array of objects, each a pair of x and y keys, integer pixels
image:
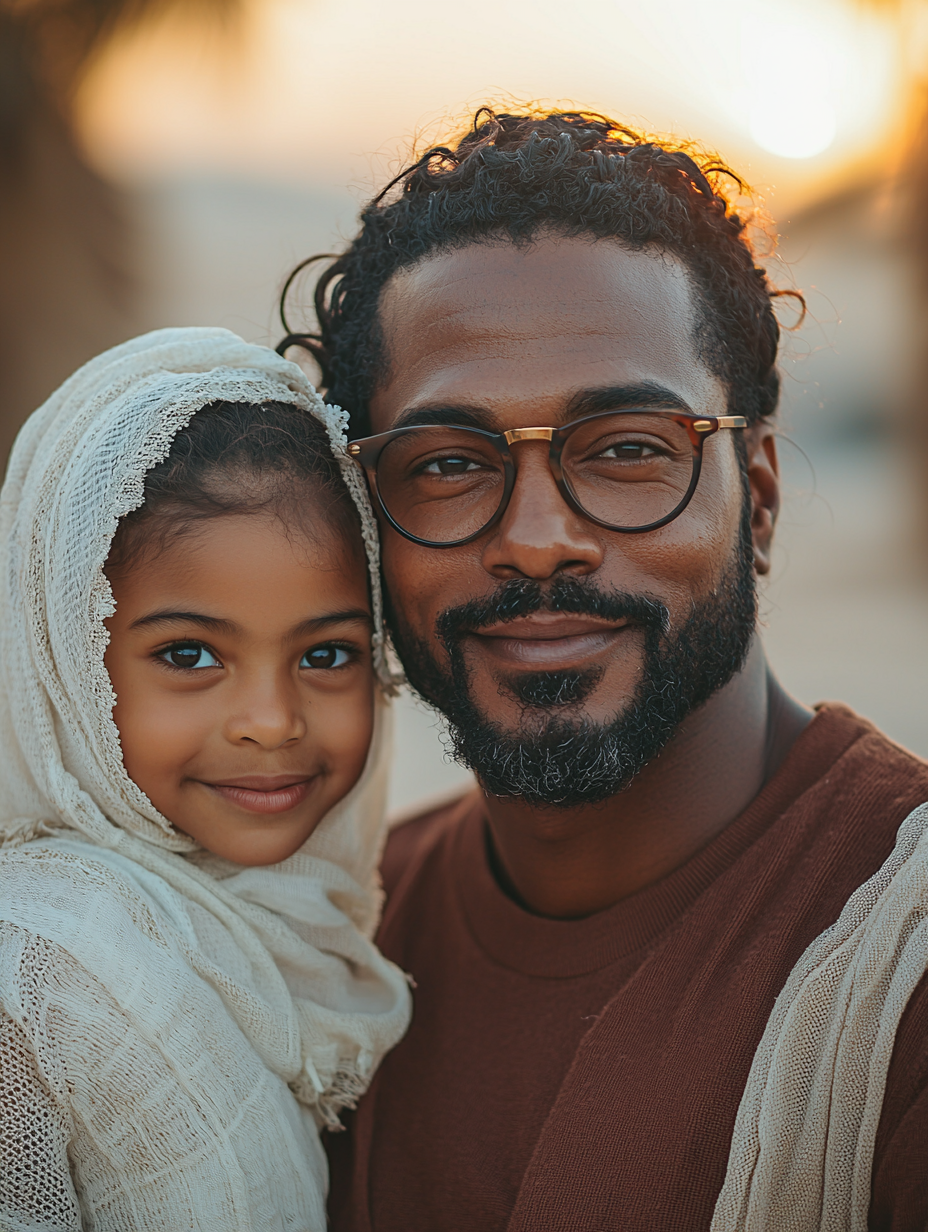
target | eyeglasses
[{"x": 631, "y": 471}]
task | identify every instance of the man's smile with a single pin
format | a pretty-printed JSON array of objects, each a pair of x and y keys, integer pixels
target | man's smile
[{"x": 548, "y": 639}]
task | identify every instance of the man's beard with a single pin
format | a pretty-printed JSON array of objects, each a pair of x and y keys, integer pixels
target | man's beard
[{"x": 556, "y": 759}]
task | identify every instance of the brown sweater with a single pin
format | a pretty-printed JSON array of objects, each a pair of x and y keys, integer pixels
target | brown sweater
[{"x": 585, "y": 1075}]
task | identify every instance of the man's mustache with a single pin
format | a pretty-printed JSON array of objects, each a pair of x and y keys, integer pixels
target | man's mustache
[{"x": 578, "y": 596}]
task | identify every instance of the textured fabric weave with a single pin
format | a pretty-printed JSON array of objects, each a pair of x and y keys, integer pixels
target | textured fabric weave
[
  {"x": 174, "y": 1027},
  {"x": 802, "y": 1151}
]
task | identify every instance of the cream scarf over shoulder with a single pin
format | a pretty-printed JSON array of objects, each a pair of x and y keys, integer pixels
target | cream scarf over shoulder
[
  {"x": 205, "y": 961},
  {"x": 802, "y": 1152}
]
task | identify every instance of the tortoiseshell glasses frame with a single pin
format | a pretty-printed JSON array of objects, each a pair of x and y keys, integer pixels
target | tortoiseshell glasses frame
[{"x": 636, "y": 461}]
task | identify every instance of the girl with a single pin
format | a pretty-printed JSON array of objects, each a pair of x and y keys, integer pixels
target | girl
[{"x": 190, "y": 819}]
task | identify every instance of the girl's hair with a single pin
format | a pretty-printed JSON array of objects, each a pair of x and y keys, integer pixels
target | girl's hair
[
  {"x": 510, "y": 178},
  {"x": 239, "y": 458}
]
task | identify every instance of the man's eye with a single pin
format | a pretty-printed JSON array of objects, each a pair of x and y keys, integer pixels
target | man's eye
[
  {"x": 325, "y": 656},
  {"x": 630, "y": 449},
  {"x": 449, "y": 466},
  {"x": 189, "y": 654}
]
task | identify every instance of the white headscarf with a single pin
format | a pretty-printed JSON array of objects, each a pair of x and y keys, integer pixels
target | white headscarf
[{"x": 288, "y": 949}]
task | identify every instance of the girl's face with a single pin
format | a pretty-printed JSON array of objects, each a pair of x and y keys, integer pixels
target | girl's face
[{"x": 241, "y": 661}]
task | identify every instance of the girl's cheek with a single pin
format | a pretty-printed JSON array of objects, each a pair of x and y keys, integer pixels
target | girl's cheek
[
  {"x": 159, "y": 736},
  {"x": 346, "y": 730}
]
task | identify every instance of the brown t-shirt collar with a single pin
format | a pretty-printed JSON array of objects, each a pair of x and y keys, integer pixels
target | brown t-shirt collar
[{"x": 559, "y": 949}]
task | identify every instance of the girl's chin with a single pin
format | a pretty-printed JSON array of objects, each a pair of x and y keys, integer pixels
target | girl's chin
[{"x": 255, "y": 850}]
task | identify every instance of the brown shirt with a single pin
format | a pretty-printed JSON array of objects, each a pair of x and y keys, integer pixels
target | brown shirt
[{"x": 585, "y": 1074}]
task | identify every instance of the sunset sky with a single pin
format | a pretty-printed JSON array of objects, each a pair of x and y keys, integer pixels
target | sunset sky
[{"x": 333, "y": 92}]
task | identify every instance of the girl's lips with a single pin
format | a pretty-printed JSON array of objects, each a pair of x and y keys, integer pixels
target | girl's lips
[{"x": 256, "y": 800}]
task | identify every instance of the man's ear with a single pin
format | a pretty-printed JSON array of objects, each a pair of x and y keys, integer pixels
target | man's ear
[{"x": 764, "y": 478}]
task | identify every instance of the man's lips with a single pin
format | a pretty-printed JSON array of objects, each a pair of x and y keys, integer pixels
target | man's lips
[
  {"x": 549, "y": 639},
  {"x": 264, "y": 793}
]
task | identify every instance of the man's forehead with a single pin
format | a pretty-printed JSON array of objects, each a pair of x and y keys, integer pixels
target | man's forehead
[{"x": 498, "y": 325}]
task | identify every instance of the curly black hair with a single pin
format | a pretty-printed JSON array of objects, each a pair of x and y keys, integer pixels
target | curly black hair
[{"x": 575, "y": 173}]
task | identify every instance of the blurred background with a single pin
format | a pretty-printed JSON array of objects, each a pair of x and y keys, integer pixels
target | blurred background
[{"x": 166, "y": 163}]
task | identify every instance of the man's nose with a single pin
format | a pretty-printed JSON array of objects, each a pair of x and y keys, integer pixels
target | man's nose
[
  {"x": 540, "y": 535},
  {"x": 266, "y": 712}
]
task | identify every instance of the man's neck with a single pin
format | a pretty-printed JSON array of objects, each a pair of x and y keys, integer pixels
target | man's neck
[{"x": 569, "y": 863}]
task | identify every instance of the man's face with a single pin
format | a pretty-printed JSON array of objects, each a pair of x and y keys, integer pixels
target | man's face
[{"x": 549, "y": 640}]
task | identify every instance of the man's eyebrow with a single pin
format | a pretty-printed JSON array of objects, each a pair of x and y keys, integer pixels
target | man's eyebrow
[
  {"x": 647, "y": 394},
  {"x": 468, "y": 415},
  {"x": 168, "y": 617}
]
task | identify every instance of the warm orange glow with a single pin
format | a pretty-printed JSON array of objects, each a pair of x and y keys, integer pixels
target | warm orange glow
[{"x": 333, "y": 91}]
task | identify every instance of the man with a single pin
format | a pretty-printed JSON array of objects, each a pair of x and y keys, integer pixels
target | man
[{"x": 559, "y": 359}]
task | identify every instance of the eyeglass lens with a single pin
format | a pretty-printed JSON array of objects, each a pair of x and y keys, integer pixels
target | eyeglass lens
[{"x": 443, "y": 484}]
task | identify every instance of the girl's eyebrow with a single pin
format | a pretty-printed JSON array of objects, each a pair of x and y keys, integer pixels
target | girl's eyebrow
[
  {"x": 197, "y": 618},
  {"x": 352, "y": 616},
  {"x": 216, "y": 623}
]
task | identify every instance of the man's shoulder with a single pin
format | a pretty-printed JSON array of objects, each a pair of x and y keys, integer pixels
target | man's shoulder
[
  {"x": 849, "y": 783},
  {"x": 417, "y": 834},
  {"x": 865, "y": 758}
]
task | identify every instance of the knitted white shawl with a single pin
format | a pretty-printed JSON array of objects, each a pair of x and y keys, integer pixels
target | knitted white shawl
[
  {"x": 175, "y": 1027},
  {"x": 802, "y": 1153}
]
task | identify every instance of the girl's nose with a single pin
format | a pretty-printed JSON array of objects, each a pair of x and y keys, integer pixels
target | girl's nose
[{"x": 266, "y": 713}]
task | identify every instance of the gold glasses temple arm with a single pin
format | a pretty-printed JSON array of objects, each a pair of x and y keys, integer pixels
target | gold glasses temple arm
[{"x": 720, "y": 421}]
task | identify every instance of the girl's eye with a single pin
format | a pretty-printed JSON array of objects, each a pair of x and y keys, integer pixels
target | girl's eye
[
  {"x": 189, "y": 654},
  {"x": 325, "y": 656}
]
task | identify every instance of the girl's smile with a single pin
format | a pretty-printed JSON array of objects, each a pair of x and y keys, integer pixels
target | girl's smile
[{"x": 260, "y": 794}]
